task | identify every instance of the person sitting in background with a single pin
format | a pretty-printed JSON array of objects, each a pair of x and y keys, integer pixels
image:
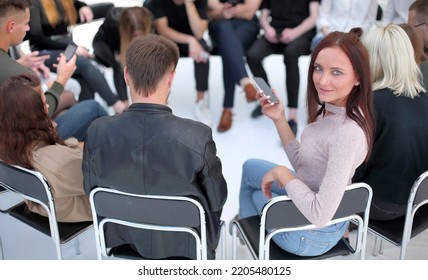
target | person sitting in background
[
  {"x": 35, "y": 61},
  {"x": 289, "y": 27},
  {"x": 233, "y": 29},
  {"x": 418, "y": 48},
  {"x": 148, "y": 150},
  {"x": 400, "y": 147},
  {"x": 50, "y": 22},
  {"x": 418, "y": 18},
  {"x": 29, "y": 139},
  {"x": 397, "y": 11},
  {"x": 336, "y": 141},
  {"x": 185, "y": 22},
  {"x": 14, "y": 18},
  {"x": 342, "y": 15},
  {"x": 120, "y": 26}
]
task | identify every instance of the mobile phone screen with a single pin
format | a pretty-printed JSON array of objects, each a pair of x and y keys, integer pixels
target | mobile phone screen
[
  {"x": 70, "y": 50},
  {"x": 261, "y": 85}
]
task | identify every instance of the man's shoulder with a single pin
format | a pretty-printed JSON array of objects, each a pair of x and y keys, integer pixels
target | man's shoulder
[{"x": 9, "y": 67}]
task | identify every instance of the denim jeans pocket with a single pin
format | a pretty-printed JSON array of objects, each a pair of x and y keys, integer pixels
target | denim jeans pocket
[{"x": 311, "y": 247}]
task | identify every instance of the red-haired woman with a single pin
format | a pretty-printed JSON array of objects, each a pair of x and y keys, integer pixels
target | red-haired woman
[{"x": 29, "y": 139}]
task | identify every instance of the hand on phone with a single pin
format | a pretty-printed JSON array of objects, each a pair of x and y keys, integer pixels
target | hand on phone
[{"x": 263, "y": 87}]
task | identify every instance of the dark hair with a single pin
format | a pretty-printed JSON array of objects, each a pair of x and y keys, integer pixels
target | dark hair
[
  {"x": 148, "y": 59},
  {"x": 6, "y": 6},
  {"x": 24, "y": 120},
  {"x": 359, "y": 104}
]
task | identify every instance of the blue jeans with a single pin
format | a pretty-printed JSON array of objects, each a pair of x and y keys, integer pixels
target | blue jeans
[
  {"x": 75, "y": 121},
  {"x": 251, "y": 202},
  {"x": 232, "y": 38}
]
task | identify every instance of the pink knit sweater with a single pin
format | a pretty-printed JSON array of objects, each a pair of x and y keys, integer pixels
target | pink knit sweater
[{"x": 325, "y": 161}]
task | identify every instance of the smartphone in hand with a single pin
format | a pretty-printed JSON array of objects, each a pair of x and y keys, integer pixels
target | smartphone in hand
[
  {"x": 70, "y": 50},
  {"x": 262, "y": 86}
]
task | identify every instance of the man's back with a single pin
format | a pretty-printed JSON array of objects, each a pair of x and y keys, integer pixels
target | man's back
[{"x": 148, "y": 150}]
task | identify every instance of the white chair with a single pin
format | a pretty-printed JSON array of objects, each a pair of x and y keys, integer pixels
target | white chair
[
  {"x": 281, "y": 215},
  {"x": 31, "y": 185},
  {"x": 399, "y": 231},
  {"x": 151, "y": 212}
]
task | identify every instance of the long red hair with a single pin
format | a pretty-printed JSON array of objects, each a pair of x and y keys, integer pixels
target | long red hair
[{"x": 359, "y": 105}]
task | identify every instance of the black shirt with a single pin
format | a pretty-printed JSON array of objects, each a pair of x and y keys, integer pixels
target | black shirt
[{"x": 176, "y": 14}]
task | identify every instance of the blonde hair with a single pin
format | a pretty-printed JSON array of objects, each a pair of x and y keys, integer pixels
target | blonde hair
[
  {"x": 132, "y": 19},
  {"x": 392, "y": 61},
  {"x": 51, "y": 11}
]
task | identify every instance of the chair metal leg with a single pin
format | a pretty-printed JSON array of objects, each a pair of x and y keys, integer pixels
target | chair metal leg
[
  {"x": 77, "y": 245},
  {"x": 381, "y": 247},
  {"x": 375, "y": 247},
  {"x": 223, "y": 241},
  {"x": 234, "y": 237},
  {"x": 1, "y": 250}
]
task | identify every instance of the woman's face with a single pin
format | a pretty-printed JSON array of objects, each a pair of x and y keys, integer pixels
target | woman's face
[{"x": 333, "y": 76}]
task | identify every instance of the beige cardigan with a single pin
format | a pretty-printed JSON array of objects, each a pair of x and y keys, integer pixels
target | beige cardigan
[{"x": 62, "y": 168}]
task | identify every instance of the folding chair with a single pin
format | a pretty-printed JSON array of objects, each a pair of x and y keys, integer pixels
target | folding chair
[
  {"x": 4, "y": 211},
  {"x": 399, "y": 231},
  {"x": 280, "y": 214},
  {"x": 31, "y": 185},
  {"x": 151, "y": 212}
]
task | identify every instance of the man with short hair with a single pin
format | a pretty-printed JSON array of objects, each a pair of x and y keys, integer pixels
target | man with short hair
[
  {"x": 148, "y": 150},
  {"x": 185, "y": 23},
  {"x": 14, "y": 19},
  {"x": 418, "y": 18}
]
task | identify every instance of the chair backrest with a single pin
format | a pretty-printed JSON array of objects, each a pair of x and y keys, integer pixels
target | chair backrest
[
  {"x": 281, "y": 215},
  {"x": 418, "y": 197},
  {"x": 30, "y": 184},
  {"x": 153, "y": 212},
  {"x": 419, "y": 192},
  {"x": 282, "y": 212}
]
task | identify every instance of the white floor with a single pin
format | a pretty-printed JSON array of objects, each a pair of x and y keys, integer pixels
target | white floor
[{"x": 248, "y": 138}]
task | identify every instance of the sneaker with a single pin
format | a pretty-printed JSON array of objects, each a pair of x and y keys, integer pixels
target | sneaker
[
  {"x": 293, "y": 126},
  {"x": 257, "y": 112},
  {"x": 202, "y": 113}
]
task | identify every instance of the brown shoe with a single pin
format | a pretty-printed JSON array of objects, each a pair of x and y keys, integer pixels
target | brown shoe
[
  {"x": 225, "y": 122},
  {"x": 250, "y": 92}
]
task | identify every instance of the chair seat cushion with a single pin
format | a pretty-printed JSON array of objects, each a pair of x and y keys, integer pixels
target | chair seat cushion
[
  {"x": 393, "y": 230},
  {"x": 67, "y": 231}
]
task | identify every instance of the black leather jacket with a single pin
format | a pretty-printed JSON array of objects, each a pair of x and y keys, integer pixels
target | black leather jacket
[{"x": 148, "y": 150}]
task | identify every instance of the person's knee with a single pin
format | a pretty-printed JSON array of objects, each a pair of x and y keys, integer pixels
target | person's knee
[{"x": 91, "y": 108}]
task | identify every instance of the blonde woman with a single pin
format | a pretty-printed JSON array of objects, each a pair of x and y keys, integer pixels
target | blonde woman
[{"x": 400, "y": 149}]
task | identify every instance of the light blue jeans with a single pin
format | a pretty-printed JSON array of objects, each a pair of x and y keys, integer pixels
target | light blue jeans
[
  {"x": 75, "y": 121},
  {"x": 251, "y": 202}
]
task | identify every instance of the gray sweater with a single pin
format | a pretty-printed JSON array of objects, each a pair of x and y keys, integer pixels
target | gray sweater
[{"x": 325, "y": 161}]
